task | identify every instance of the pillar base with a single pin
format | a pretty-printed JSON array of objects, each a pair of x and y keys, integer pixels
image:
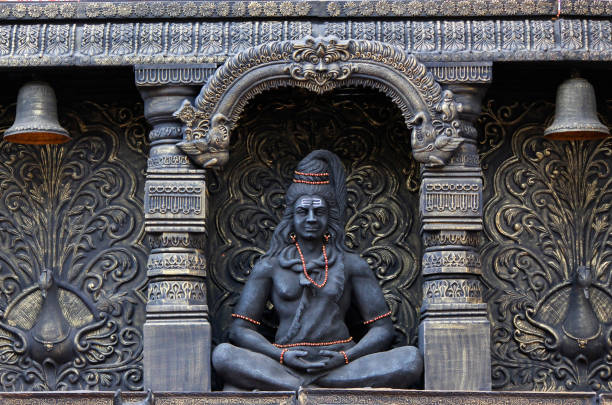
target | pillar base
[
  {"x": 456, "y": 348},
  {"x": 177, "y": 352}
]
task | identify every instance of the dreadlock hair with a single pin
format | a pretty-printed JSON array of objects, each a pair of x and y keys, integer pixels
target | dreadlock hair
[{"x": 320, "y": 173}]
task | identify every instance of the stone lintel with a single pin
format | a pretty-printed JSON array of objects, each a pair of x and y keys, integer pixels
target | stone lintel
[
  {"x": 193, "y": 41},
  {"x": 416, "y": 397}
]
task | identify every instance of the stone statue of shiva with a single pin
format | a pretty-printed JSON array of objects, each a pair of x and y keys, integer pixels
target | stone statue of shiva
[{"x": 311, "y": 279}]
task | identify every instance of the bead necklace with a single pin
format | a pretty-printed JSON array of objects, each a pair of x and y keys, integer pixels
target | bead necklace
[{"x": 297, "y": 245}]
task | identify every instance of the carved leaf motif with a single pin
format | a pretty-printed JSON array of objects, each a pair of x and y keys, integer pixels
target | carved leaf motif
[
  {"x": 77, "y": 209},
  {"x": 547, "y": 214}
]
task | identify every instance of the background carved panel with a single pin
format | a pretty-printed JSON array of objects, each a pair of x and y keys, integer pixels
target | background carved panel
[
  {"x": 547, "y": 213},
  {"x": 247, "y": 198},
  {"x": 77, "y": 211}
]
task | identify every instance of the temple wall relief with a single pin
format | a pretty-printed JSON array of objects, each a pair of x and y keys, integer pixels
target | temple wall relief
[
  {"x": 546, "y": 257},
  {"x": 73, "y": 255}
]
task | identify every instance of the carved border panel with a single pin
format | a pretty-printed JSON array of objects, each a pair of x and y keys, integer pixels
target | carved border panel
[
  {"x": 284, "y": 8},
  {"x": 104, "y": 43}
]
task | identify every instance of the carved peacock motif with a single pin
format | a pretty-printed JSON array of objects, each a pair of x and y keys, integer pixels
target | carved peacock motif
[
  {"x": 55, "y": 325},
  {"x": 574, "y": 320}
]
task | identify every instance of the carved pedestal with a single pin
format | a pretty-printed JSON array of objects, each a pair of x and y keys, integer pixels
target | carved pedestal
[
  {"x": 454, "y": 334},
  {"x": 177, "y": 335}
]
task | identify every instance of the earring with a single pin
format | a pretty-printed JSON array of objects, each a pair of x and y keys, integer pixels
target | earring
[
  {"x": 292, "y": 237},
  {"x": 326, "y": 237}
]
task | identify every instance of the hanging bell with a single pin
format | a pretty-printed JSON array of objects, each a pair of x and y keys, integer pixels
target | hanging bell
[
  {"x": 36, "y": 117},
  {"x": 576, "y": 113}
]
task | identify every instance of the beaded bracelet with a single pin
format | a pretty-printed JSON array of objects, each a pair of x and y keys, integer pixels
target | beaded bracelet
[
  {"x": 377, "y": 318},
  {"x": 246, "y": 318},
  {"x": 345, "y": 357},
  {"x": 282, "y": 356}
]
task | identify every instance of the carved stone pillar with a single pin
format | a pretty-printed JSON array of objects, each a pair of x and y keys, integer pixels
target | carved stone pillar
[
  {"x": 454, "y": 333},
  {"x": 177, "y": 334}
]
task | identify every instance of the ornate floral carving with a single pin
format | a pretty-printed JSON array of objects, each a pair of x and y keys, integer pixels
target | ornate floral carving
[
  {"x": 177, "y": 290},
  {"x": 75, "y": 210},
  {"x": 320, "y": 65},
  {"x": 546, "y": 217},
  {"x": 452, "y": 290}
]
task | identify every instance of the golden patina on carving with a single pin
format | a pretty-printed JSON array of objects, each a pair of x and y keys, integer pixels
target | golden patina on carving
[
  {"x": 72, "y": 272},
  {"x": 547, "y": 256},
  {"x": 276, "y": 130}
]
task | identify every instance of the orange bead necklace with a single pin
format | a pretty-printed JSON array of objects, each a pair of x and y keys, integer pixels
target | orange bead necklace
[{"x": 297, "y": 245}]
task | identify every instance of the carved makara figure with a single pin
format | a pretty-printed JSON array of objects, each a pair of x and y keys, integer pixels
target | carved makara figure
[{"x": 311, "y": 280}]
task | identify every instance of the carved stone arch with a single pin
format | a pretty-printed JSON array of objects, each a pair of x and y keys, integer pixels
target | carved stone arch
[{"x": 320, "y": 65}]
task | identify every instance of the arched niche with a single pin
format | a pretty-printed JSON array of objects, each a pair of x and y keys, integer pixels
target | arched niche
[{"x": 320, "y": 65}]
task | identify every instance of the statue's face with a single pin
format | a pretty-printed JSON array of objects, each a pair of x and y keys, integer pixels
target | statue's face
[{"x": 310, "y": 217}]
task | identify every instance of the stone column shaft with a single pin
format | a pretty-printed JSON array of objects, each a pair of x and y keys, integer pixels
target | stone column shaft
[
  {"x": 177, "y": 334},
  {"x": 454, "y": 333}
]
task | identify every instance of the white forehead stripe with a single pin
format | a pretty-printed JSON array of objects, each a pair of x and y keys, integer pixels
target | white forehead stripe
[{"x": 312, "y": 201}]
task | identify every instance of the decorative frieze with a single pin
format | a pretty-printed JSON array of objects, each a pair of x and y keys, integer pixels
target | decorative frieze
[
  {"x": 193, "y": 292},
  {"x": 194, "y": 42},
  {"x": 166, "y": 157},
  {"x": 167, "y": 162},
  {"x": 311, "y": 8},
  {"x": 175, "y": 204},
  {"x": 452, "y": 290},
  {"x": 451, "y": 238},
  {"x": 176, "y": 263},
  {"x": 446, "y": 199},
  {"x": 177, "y": 240},
  {"x": 459, "y": 72},
  {"x": 452, "y": 197},
  {"x": 451, "y": 262},
  {"x": 184, "y": 198},
  {"x": 174, "y": 75}
]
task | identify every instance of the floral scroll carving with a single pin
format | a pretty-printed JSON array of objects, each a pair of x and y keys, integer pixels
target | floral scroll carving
[
  {"x": 321, "y": 65},
  {"x": 72, "y": 269},
  {"x": 548, "y": 255}
]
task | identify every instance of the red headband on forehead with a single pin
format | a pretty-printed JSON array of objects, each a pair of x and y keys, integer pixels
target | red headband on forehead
[{"x": 311, "y": 178}]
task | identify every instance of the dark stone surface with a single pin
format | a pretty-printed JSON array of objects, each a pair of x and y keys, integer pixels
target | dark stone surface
[{"x": 312, "y": 279}]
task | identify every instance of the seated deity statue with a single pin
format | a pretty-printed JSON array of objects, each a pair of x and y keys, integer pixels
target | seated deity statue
[{"x": 312, "y": 279}]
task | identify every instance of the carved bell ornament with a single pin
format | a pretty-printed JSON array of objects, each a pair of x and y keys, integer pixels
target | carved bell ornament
[
  {"x": 36, "y": 120},
  {"x": 576, "y": 113}
]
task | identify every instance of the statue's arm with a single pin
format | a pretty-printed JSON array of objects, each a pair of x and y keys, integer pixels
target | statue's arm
[
  {"x": 243, "y": 332},
  {"x": 371, "y": 304}
]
